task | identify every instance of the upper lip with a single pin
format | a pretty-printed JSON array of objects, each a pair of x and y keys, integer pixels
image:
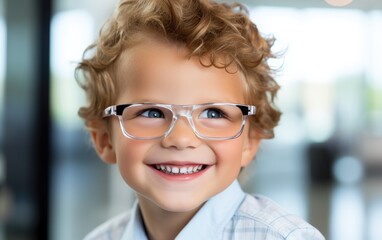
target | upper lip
[{"x": 178, "y": 163}]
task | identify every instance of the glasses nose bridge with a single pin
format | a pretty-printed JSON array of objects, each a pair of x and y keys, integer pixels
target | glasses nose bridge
[
  {"x": 179, "y": 111},
  {"x": 182, "y": 111}
]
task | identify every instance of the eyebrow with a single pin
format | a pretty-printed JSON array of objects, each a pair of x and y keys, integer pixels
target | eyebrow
[{"x": 151, "y": 100}]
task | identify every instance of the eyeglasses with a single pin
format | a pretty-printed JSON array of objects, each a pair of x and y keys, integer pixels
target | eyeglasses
[{"x": 211, "y": 121}]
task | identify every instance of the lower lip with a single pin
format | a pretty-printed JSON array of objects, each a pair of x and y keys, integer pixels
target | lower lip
[{"x": 180, "y": 177}]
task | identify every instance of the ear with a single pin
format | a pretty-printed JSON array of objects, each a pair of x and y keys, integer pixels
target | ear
[
  {"x": 250, "y": 147},
  {"x": 101, "y": 141}
]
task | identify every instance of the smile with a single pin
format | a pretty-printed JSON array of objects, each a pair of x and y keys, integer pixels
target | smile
[{"x": 179, "y": 170}]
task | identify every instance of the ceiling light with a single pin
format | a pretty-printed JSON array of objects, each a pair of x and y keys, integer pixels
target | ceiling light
[{"x": 339, "y": 3}]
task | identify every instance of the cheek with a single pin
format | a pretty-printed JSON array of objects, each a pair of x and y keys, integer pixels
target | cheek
[
  {"x": 131, "y": 151},
  {"x": 126, "y": 150},
  {"x": 130, "y": 156},
  {"x": 229, "y": 152}
]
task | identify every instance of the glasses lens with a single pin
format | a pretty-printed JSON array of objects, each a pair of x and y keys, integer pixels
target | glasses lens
[
  {"x": 146, "y": 121},
  {"x": 218, "y": 121},
  {"x": 149, "y": 121}
]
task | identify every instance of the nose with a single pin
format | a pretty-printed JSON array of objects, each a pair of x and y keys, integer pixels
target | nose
[{"x": 181, "y": 136}]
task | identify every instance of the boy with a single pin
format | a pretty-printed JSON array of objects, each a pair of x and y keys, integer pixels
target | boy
[{"x": 180, "y": 95}]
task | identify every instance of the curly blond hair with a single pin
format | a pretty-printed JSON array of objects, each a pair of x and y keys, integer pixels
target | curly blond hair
[{"x": 205, "y": 28}]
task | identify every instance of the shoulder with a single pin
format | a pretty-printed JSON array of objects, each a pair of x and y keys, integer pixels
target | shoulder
[
  {"x": 262, "y": 218},
  {"x": 111, "y": 229}
]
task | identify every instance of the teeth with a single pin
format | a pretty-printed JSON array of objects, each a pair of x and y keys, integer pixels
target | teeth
[
  {"x": 175, "y": 170},
  {"x": 178, "y": 170}
]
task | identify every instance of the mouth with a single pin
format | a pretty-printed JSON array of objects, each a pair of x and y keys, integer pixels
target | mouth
[{"x": 179, "y": 170}]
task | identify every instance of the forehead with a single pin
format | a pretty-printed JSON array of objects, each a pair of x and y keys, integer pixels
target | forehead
[
  {"x": 145, "y": 48},
  {"x": 159, "y": 65}
]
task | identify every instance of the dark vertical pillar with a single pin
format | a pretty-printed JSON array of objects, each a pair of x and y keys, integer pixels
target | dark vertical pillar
[
  {"x": 42, "y": 128},
  {"x": 27, "y": 120}
]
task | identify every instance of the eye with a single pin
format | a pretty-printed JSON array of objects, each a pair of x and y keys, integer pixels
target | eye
[
  {"x": 212, "y": 113},
  {"x": 152, "y": 113}
]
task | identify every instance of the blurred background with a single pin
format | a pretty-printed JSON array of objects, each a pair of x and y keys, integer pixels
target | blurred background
[{"x": 325, "y": 163}]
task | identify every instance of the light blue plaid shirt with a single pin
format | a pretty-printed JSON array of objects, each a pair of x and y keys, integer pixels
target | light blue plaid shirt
[{"x": 231, "y": 214}]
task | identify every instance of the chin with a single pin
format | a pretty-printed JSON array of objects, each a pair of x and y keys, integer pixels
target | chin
[{"x": 180, "y": 206}]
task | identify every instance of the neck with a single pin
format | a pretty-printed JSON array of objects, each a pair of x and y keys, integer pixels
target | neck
[{"x": 161, "y": 224}]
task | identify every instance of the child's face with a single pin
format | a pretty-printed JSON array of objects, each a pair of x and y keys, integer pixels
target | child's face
[{"x": 159, "y": 72}]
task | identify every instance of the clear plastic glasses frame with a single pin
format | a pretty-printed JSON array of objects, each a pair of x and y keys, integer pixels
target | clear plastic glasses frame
[{"x": 210, "y": 121}]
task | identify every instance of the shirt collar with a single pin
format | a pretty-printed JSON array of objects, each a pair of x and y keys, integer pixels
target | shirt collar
[
  {"x": 208, "y": 222},
  {"x": 135, "y": 229}
]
